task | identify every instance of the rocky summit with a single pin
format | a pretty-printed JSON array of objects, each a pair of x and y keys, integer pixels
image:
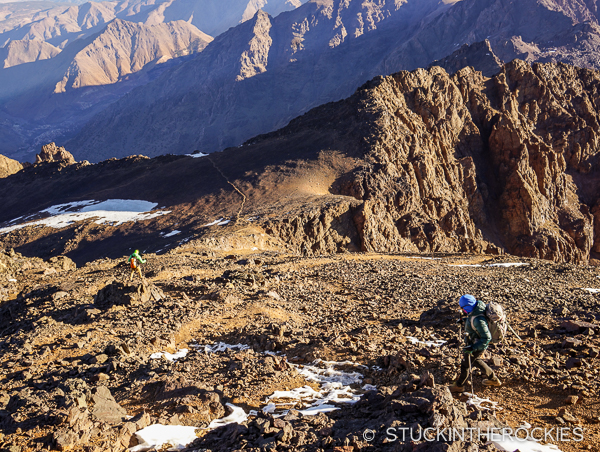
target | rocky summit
[
  {"x": 269, "y": 351},
  {"x": 419, "y": 161}
]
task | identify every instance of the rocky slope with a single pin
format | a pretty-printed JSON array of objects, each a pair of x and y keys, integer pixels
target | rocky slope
[
  {"x": 321, "y": 52},
  {"x": 9, "y": 166},
  {"x": 124, "y": 48},
  {"x": 414, "y": 162},
  {"x": 77, "y": 345},
  {"x": 26, "y": 51}
]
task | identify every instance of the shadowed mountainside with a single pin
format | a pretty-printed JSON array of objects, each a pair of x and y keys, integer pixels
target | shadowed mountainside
[{"x": 278, "y": 68}]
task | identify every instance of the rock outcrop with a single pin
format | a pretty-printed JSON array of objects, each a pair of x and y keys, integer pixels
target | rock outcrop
[
  {"x": 9, "y": 166},
  {"x": 466, "y": 163},
  {"x": 53, "y": 153}
]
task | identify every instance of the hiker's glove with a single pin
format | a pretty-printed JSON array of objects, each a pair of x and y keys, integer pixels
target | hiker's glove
[{"x": 468, "y": 350}]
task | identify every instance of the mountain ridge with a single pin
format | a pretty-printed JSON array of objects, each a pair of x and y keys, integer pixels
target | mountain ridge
[
  {"x": 320, "y": 52},
  {"x": 418, "y": 161}
]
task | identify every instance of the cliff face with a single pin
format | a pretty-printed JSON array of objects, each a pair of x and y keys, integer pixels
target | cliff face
[{"x": 466, "y": 163}]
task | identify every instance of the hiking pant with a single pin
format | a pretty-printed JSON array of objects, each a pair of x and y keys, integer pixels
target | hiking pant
[
  {"x": 475, "y": 361},
  {"x": 139, "y": 272}
]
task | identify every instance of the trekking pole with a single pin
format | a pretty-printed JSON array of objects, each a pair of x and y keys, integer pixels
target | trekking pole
[
  {"x": 471, "y": 375},
  {"x": 513, "y": 331}
]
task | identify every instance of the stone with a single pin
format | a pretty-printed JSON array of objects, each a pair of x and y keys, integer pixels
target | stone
[
  {"x": 571, "y": 342},
  {"x": 571, "y": 400},
  {"x": 52, "y": 153},
  {"x": 9, "y": 166},
  {"x": 99, "y": 359},
  {"x": 65, "y": 439},
  {"x": 573, "y": 362},
  {"x": 497, "y": 361},
  {"x": 576, "y": 326},
  {"x": 105, "y": 408}
]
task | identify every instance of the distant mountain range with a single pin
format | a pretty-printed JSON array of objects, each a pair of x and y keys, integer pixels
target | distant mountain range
[
  {"x": 254, "y": 77},
  {"x": 54, "y": 53}
]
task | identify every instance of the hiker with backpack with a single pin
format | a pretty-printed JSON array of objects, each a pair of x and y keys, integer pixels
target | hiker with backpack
[
  {"x": 133, "y": 264},
  {"x": 483, "y": 324}
]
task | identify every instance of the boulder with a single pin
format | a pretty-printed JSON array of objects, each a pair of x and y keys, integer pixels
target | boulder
[
  {"x": 105, "y": 408},
  {"x": 52, "y": 153},
  {"x": 9, "y": 166},
  {"x": 118, "y": 293},
  {"x": 577, "y": 326}
]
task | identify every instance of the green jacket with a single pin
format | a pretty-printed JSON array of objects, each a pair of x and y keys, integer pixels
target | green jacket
[
  {"x": 479, "y": 337},
  {"x": 136, "y": 256}
]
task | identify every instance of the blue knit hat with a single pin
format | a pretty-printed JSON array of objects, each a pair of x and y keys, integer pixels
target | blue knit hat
[{"x": 468, "y": 303}]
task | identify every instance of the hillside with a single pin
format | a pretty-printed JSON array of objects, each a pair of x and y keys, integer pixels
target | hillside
[
  {"x": 49, "y": 98},
  {"x": 61, "y": 23},
  {"x": 318, "y": 53},
  {"x": 110, "y": 46},
  {"x": 26, "y": 51},
  {"x": 124, "y": 48},
  {"x": 414, "y": 162}
]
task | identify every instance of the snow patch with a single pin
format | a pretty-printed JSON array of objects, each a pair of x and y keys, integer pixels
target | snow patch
[
  {"x": 221, "y": 347},
  {"x": 482, "y": 404},
  {"x": 168, "y": 356},
  {"x": 592, "y": 290},
  {"x": 238, "y": 415},
  {"x": 436, "y": 343},
  {"x": 112, "y": 211},
  {"x": 171, "y": 234},
  {"x": 157, "y": 435},
  {"x": 502, "y": 264},
  {"x": 512, "y": 444},
  {"x": 197, "y": 156},
  {"x": 334, "y": 388},
  {"x": 426, "y": 258},
  {"x": 219, "y": 222}
]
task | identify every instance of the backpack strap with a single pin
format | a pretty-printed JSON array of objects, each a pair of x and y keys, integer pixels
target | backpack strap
[{"x": 473, "y": 318}]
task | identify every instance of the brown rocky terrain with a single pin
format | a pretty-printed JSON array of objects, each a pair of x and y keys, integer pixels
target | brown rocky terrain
[
  {"x": 415, "y": 162},
  {"x": 76, "y": 346}
]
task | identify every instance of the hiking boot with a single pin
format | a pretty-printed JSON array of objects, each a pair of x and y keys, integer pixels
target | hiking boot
[
  {"x": 492, "y": 382},
  {"x": 456, "y": 388}
]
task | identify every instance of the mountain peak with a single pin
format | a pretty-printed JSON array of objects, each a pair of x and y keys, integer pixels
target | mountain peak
[{"x": 255, "y": 58}]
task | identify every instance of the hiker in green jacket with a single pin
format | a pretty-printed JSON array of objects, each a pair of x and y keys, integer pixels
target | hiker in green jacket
[
  {"x": 478, "y": 339},
  {"x": 135, "y": 267}
]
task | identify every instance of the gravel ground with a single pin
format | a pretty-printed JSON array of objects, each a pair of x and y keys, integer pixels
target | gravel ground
[{"x": 69, "y": 334}]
